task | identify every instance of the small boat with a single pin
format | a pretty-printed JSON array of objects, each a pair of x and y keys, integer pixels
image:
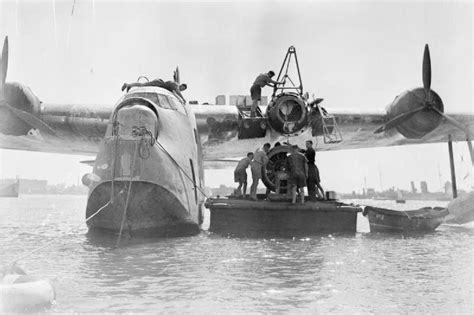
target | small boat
[
  {"x": 21, "y": 293},
  {"x": 421, "y": 220}
]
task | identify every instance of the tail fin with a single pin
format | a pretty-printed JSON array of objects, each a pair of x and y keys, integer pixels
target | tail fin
[{"x": 176, "y": 75}]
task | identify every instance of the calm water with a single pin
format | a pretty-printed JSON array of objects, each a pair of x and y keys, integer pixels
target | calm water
[{"x": 363, "y": 273}]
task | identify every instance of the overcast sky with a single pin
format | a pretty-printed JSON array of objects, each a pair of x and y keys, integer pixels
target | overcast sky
[{"x": 356, "y": 55}]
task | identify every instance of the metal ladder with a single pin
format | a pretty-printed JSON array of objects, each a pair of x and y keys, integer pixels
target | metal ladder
[{"x": 331, "y": 132}]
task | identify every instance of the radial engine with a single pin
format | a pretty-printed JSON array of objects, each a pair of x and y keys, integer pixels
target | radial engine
[{"x": 289, "y": 112}]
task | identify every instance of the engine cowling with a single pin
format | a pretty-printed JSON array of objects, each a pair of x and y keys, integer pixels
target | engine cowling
[
  {"x": 422, "y": 122},
  {"x": 288, "y": 114}
]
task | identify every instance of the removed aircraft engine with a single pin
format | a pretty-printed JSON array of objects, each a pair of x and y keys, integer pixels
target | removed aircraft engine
[{"x": 289, "y": 112}]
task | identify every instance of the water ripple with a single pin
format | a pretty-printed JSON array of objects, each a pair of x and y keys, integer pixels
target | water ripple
[{"x": 362, "y": 273}]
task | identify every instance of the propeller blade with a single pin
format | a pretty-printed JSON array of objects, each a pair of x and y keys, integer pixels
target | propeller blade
[
  {"x": 427, "y": 73},
  {"x": 398, "y": 119},
  {"x": 456, "y": 123},
  {"x": 453, "y": 121},
  {"x": 3, "y": 66},
  {"x": 31, "y": 120}
]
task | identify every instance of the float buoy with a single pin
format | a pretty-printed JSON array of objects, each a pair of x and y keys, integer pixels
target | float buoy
[
  {"x": 20, "y": 292},
  {"x": 461, "y": 209}
]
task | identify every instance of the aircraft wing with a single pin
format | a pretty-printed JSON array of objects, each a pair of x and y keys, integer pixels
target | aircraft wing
[
  {"x": 78, "y": 129},
  {"x": 58, "y": 128},
  {"x": 218, "y": 127}
]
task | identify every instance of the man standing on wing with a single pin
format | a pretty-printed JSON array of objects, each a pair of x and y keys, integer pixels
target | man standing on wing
[{"x": 256, "y": 89}]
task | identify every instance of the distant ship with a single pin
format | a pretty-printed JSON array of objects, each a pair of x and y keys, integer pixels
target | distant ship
[{"x": 10, "y": 189}]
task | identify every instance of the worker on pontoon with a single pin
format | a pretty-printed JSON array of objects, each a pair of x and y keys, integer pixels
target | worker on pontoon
[
  {"x": 298, "y": 167},
  {"x": 256, "y": 90},
  {"x": 313, "y": 180},
  {"x": 259, "y": 159},
  {"x": 240, "y": 174},
  {"x": 281, "y": 173}
]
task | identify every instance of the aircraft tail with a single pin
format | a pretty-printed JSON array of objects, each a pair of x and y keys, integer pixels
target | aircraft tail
[{"x": 176, "y": 76}]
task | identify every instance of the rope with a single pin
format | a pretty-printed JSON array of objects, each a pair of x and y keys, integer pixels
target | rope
[
  {"x": 13, "y": 262},
  {"x": 115, "y": 131},
  {"x": 177, "y": 164},
  {"x": 128, "y": 196}
]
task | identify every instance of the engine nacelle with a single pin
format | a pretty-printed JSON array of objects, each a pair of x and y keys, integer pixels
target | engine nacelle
[
  {"x": 288, "y": 114},
  {"x": 21, "y": 97},
  {"x": 422, "y": 122}
]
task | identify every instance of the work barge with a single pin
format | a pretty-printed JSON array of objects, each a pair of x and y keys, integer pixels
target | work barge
[
  {"x": 278, "y": 217},
  {"x": 273, "y": 214}
]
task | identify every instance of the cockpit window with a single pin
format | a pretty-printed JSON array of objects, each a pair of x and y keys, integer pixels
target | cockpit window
[
  {"x": 164, "y": 102},
  {"x": 161, "y": 100},
  {"x": 176, "y": 105},
  {"x": 147, "y": 95}
]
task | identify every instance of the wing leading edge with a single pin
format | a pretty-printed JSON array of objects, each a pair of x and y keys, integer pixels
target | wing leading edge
[
  {"x": 78, "y": 129},
  {"x": 218, "y": 127}
]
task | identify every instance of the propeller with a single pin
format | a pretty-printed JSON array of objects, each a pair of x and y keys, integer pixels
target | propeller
[
  {"x": 427, "y": 103},
  {"x": 426, "y": 72},
  {"x": 24, "y": 116},
  {"x": 4, "y": 67}
]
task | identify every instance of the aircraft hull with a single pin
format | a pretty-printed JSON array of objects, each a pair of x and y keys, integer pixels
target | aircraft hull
[
  {"x": 162, "y": 200},
  {"x": 151, "y": 210}
]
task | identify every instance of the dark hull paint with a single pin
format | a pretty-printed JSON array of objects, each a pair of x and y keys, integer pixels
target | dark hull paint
[
  {"x": 265, "y": 218},
  {"x": 152, "y": 211},
  {"x": 421, "y": 220}
]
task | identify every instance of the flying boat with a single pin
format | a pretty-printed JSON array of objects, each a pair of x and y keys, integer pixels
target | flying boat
[{"x": 151, "y": 148}]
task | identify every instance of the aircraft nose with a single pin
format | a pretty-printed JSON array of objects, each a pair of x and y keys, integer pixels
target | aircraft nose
[{"x": 134, "y": 117}]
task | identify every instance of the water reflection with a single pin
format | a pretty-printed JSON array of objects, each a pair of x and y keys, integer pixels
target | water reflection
[{"x": 209, "y": 273}]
